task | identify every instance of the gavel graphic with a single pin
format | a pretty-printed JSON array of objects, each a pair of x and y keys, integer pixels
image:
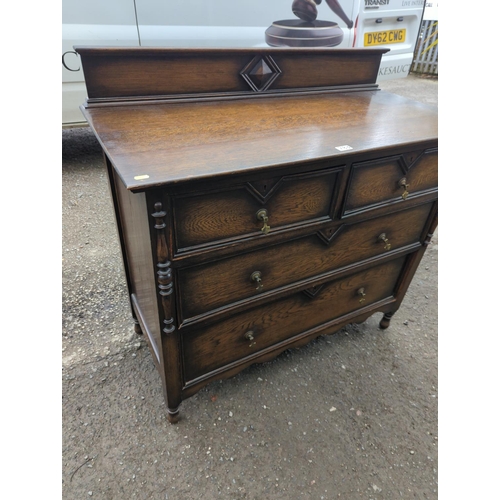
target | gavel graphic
[{"x": 307, "y": 10}]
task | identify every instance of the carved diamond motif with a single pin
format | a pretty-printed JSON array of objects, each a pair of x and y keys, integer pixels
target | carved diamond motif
[
  {"x": 260, "y": 73},
  {"x": 329, "y": 234},
  {"x": 313, "y": 291},
  {"x": 410, "y": 158},
  {"x": 263, "y": 190}
]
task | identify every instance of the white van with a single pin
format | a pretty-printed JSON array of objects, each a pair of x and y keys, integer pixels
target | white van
[{"x": 394, "y": 24}]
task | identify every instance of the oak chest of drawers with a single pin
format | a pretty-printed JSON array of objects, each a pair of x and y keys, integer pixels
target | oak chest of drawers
[{"x": 263, "y": 197}]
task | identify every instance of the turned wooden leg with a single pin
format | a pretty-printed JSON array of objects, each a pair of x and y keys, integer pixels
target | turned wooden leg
[
  {"x": 137, "y": 327},
  {"x": 386, "y": 320},
  {"x": 173, "y": 415}
]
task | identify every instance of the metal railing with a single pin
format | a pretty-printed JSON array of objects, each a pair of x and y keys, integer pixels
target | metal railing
[{"x": 425, "y": 60}]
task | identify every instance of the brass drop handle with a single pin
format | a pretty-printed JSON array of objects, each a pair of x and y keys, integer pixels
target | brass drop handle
[
  {"x": 257, "y": 277},
  {"x": 249, "y": 336},
  {"x": 384, "y": 239},
  {"x": 402, "y": 183},
  {"x": 262, "y": 216},
  {"x": 362, "y": 294}
]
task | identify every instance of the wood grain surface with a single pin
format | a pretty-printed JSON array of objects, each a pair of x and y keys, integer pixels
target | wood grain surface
[
  {"x": 126, "y": 72},
  {"x": 166, "y": 144},
  {"x": 207, "y": 287},
  {"x": 283, "y": 319},
  {"x": 217, "y": 215},
  {"x": 376, "y": 182}
]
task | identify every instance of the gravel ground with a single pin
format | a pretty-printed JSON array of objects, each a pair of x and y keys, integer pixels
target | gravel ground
[{"x": 352, "y": 415}]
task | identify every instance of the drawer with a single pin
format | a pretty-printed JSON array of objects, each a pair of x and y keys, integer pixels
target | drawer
[
  {"x": 374, "y": 183},
  {"x": 211, "y": 286},
  {"x": 245, "y": 334},
  {"x": 201, "y": 219}
]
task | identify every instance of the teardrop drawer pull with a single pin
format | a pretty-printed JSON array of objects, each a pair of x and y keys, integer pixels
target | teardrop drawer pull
[
  {"x": 361, "y": 293},
  {"x": 402, "y": 183},
  {"x": 257, "y": 278},
  {"x": 262, "y": 216},
  {"x": 250, "y": 336},
  {"x": 383, "y": 238}
]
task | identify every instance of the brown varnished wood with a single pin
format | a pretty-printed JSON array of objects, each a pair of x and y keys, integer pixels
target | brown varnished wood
[
  {"x": 209, "y": 287},
  {"x": 118, "y": 72},
  {"x": 377, "y": 181},
  {"x": 205, "y": 139},
  {"x": 411, "y": 266},
  {"x": 193, "y": 157},
  {"x": 224, "y": 214},
  {"x": 422, "y": 175},
  {"x": 269, "y": 354},
  {"x": 224, "y": 248},
  {"x": 139, "y": 262},
  {"x": 284, "y": 318},
  {"x": 165, "y": 298}
]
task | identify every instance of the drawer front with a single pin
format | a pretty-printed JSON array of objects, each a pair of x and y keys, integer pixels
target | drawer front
[
  {"x": 207, "y": 287},
  {"x": 212, "y": 217},
  {"x": 374, "y": 183},
  {"x": 207, "y": 349}
]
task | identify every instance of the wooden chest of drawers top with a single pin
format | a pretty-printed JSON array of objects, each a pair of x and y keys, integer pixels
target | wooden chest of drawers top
[{"x": 168, "y": 143}]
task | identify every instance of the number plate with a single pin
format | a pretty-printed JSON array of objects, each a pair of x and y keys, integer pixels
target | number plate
[{"x": 385, "y": 37}]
